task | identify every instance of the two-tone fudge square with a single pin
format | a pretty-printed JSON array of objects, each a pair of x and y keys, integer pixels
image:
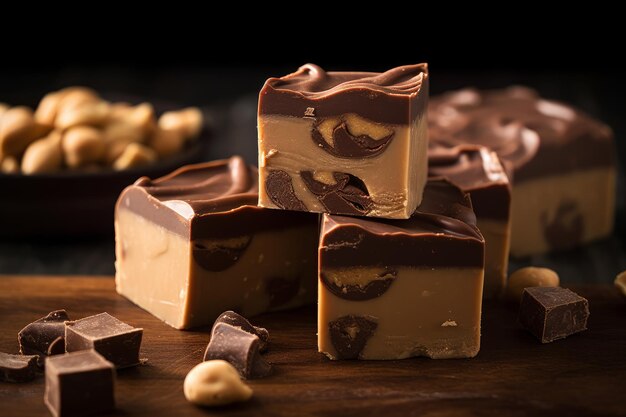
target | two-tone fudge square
[
  {"x": 194, "y": 243},
  {"x": 561, "y": 162},
  {"x": 477, "y": 170},
  {"x": 393, "y": 289},
  {"x": 350, "y": 143}
]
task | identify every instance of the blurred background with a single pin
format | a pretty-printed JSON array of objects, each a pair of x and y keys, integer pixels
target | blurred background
[{"x": 223, "y": 78}]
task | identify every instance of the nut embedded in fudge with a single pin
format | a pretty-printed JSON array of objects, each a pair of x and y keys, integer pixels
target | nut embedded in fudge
[
  {"x": 393, "y": 289},
  {"x": 194, "y": 243},
  {"x": 555, "y": 154},
  {"x": 79, "y": 384},
  {"x": 350, "y": 143},
  {"x": 477, "y": 170}
]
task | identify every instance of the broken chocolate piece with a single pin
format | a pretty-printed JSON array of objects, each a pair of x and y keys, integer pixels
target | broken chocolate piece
[
  {"x": 346, "y": 145},
  {"x": 349, "y": 335},
  {"x": 45, "y": 336},
  {"x": 552, "y": 313},
  {"x": 237, "y": 320},
  {"x": 79, "y": 384},
  {"x": 17, "y": 368},
  {"x": 347, "y": 194},
  {"x": 238, "y": 347},
  {"x": 280, "y": 190},
  {"x": 115, "y": 340}
]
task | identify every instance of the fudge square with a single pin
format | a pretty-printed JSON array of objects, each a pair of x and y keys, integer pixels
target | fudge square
[
  {"x": 79, "y": 384},
  {"x": 350, "y": 143},
  {"x": 478, "y": 171},
  {"x": 562, "y": 162},
  {"x": 393, "y": 289},
  {"x": 194, "y": 243}
]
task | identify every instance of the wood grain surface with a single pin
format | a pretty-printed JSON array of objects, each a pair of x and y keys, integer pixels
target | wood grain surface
[{"x": 514, "y": 375}]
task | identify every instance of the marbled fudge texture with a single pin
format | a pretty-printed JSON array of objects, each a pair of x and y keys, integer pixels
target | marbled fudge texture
[
  {"x": 350, "y": 143},
  {"x": 560, "y": 160},
  {"x": 478, "y": 171},
  {"x": 193, "y": 244},
  {"x": 393, "y": 289}
]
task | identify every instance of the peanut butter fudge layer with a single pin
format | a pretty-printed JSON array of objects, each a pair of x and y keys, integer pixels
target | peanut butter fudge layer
[
  {"x": 478, "y": 171},
  {"x": 193, "y": 244},
  {"x": 392, "y": 289},
  {"x": 561, "y": 162},
  {"x": 344, "y": 142}
]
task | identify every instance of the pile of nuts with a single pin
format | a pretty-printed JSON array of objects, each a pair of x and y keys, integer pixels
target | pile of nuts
[{"x": 76, "y": 129}]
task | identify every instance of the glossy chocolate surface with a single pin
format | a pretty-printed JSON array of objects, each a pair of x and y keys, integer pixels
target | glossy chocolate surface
[
  {"x": 396, "y": 96},
  {"x": 441, "y": 233},
  {"x": 534, "y": 137}
]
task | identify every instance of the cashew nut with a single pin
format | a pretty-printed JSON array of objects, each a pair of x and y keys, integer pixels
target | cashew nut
[
  {"x": 530, "y": 277},
  {"x": 9, "y": 165},
  {"x": 43, "y": 155},
  {"x": 82, "y": 145},
  {"x": 17, "y": 130},
  {"x": 91, "y": 114},
  {"x": 134, "y": 155},
  {"x": 187, "y": 121},
  {"x": 166, "y": 142},
  {"x": 3, "y": 109},
  {"x": 215, "y": 383},
  {"x": 52, "y": 104}
]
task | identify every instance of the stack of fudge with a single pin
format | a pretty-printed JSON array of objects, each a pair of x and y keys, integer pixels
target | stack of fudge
[{"x": 411, "y": 234}]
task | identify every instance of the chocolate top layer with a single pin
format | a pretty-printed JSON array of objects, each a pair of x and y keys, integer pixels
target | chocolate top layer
[
  {"x": 441, "y": 233},
  {"x": 533, "y": 136},
  {"x": 396, "y": 96},
  {"x": 475, "y": 170},
  {"x": 214, "y": 199}
]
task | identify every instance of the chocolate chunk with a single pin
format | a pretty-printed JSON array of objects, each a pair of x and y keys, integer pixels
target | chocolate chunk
[
  {"x": 347, "y": 195},
  {"x": 280, "y": 190},
  {"x": 349, "y": 335},
  {"x": 237, "y": 320},
  {"x": 374, "y": 288},
  {"x": 552, "y": 313},
  {"x": 79, "y": 384},
  {"x": 238, "y": 347},
  {"x": 346, "y": 145},
  {"x": 17, "y": 368},
  {"x": 45, "y": 336},
  {"x": 567, "y": 228},
  {"x": 281, "y": 290},
  {"x": 115, "y": 340},
  {"x": 218, "y": 255}
]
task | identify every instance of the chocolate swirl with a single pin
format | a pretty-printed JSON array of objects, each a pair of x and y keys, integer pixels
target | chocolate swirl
[
  {"x": 347, "y": 195},
  {"x": 441, "y": 233},
  {"x": 213, "y": 200},
  {"x": 396, "y": 96},
  {"x": 532, "y": 136}
]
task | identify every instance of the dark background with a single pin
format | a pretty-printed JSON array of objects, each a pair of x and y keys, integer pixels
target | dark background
[{"x": 224, "y": 76}]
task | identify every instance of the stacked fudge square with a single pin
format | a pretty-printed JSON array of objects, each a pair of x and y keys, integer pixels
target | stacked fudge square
[{"x": 396, "y": 236}]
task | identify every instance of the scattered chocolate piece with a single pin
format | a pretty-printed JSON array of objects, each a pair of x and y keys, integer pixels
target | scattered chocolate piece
[
  {"x": 237, "y": 320},
  {"x": 238, "y": 347},
  {"x": 552, "y": 313},
  {"x": 44, "y": 337},
  {"x": 115, "y": 340},
  {"x": 17, "y": 368},
  {"x": 79, "y": 384}
]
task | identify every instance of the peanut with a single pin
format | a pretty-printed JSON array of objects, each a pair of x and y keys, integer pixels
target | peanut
[
  {"x": 9, "y": 165},
  {"x": 620, "y": 282},
  {"x": 530, "y": 277},
  {"x": 166, "y": 142},
  {"x": 17, "y": 131},
  {"x": 215, "y": 383},
  {"x": 43, "y": 155},
  {"x": 82, "y": 145},
  {"x": 134, "y": 155},
  {"x": 187, "y": 121},
  {"x": 90, "y": 114}
]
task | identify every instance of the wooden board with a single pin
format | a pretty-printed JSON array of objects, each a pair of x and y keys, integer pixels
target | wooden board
[{"x": 513, "y": 374}]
